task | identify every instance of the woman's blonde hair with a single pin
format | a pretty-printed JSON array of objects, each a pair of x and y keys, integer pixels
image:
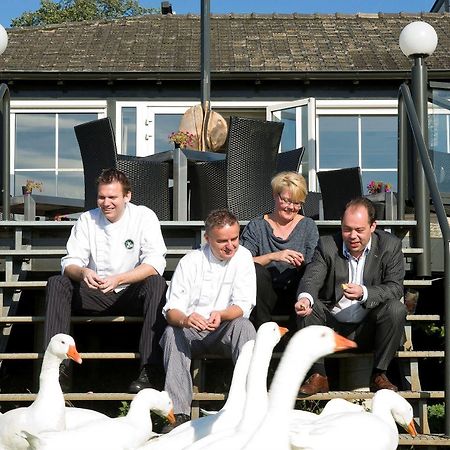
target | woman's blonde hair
[{"x": 293, "y": 182}]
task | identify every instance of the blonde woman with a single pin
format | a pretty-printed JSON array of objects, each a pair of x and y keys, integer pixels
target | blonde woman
[{"x": 282, "y": 243}]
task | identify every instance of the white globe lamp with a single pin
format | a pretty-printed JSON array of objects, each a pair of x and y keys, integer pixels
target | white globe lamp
[
  {"x": 3, "y": 39},
  {"x": 418, "y": 38}
]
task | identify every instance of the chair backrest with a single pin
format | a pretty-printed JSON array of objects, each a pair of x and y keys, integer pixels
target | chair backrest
[
  {"x": 251, "y": 163},
  {"x": 338, "y": 187},
  {"x": 150, "y": 183},
  {"x": 312, "y": 205},
  {"x": 291, "y": 160},
  {"x": 98, "y": 151}
]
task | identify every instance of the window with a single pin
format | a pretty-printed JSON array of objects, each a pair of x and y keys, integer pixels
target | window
[
  {"x": 46, "y": 150},
  {"x": 367, "y": 141}
]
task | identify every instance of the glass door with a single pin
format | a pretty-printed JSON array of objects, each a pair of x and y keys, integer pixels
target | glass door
[{"x": 299, "y": 118}]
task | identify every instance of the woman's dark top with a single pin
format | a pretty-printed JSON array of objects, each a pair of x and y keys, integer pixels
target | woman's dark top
[{"x": 258, "y": 237}]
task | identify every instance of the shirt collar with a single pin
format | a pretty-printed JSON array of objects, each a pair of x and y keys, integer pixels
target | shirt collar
[{"x": 348, "y": 255}]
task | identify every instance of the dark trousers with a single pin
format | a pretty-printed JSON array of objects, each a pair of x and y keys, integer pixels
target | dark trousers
[
  {"x": 381, "y": 331},
  {"x": 273, "y": 294},
  {"x": 64, "y": 297}
]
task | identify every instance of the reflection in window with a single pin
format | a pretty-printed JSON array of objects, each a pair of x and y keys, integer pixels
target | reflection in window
[
  {"x": 439, "y": 132},
  {"x": 47, "y": 151},
  {"x": 378, "y": 142},
  {"x": 164, "y": 125},
  {"x": 35, "y": 141},
  {"x": 338, "y": 140},
  {"x": 288, "y": 135},
  {"x": 129, "y": 137},
  {"x": 69, "y": 156},
  {"x": 70, "y": 184}
]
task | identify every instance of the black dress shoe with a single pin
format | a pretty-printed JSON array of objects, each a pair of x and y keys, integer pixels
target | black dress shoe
[
  {"x": 150, "y": 377},
  {"x": 65, "y": 376},
  {"x": 179, "y": 419}
]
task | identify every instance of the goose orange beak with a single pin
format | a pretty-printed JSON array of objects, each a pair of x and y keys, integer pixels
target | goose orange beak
[
  {"x": 411, "y": 429},
  {"x": 343, "y": 343},
  {"x": 73, "y": 354},
  {"x": 283, "y": 330},
  {"x": 171, "y": 416}
]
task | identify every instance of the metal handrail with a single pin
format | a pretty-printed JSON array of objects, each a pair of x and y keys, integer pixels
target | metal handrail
[
  {"x": 4, "y": 121},
  {"x": 430, "y": 176}
]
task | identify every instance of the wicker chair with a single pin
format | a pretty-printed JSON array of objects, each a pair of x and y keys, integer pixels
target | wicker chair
[
  {"x": 338, "y": 187},
  {"x": 350, "y": 187},
  {"x": 241, "y": 182},
  {"x": 291, "y": 160},
  {"x": 313, "y": 206},
  {"x": 149, "y": 180}
]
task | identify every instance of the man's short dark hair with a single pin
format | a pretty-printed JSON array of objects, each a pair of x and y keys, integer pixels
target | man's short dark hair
[
  {"x": 365, "y": 203},
  {"x": 220, "y": 218},
  {"x": 109, "y": 176}
]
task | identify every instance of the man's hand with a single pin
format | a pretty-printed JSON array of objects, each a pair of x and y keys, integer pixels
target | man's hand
[
  {"x": 91, "y": 278},
  {"x": 214, "y": 320},
  {"x": 303, "y": 307},
  {"x": 353, "y": 291},
  {"x": 196, "y": 321},
  {"x": 109, "y": 284}
]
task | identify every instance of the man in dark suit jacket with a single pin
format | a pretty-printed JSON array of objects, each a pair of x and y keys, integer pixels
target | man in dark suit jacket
[{"x": 354, "y": 284}]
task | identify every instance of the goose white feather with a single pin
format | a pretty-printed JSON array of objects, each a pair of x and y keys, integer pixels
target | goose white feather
[
  {"x": 268, "y": 335},
  {"x": 120, "y": 433},
  {"x": 46, "y": 413},
  {"x": 353, "y": 431},
  {"x": 227, "y": 417},
  {"x": 305, "y": 347},
  {"x": 334, "y": 406},
  {"x": 78, "y": 417}
]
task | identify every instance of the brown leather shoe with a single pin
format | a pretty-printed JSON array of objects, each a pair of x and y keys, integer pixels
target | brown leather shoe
[
  {"x": 381, "y": 381},
  {"x": 314, "y": 384}
]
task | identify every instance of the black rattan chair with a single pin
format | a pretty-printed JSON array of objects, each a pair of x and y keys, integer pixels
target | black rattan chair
[
  {"x": 338, "y": 187},
  {"x": 291, "y": 160},
  {"x": 241, "y": 182},
  {"x": 149, "y": 179},
  {"x": 313, "y": 205}
]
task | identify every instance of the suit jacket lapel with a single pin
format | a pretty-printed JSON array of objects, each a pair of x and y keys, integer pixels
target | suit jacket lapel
[
  {"x": 371, "y": 264},
  {"x": 341, "y": 271}
]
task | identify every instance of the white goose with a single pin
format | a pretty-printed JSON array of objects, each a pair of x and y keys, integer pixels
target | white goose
[
  {"x": 46, "y": 413},
  {"x": 305, "y": 347},
  {"x": 268, "y": 335},
  {"x": 334, "y": 406},
  {"x": 120, "y": 433},
  {"x": 227, "y": 417},
  {"x": 354, "y": 431},
  {"x": 78, "y": 417}
]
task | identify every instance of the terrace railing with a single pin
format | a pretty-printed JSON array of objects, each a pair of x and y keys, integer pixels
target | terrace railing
[{"x": 408, "y": 117}]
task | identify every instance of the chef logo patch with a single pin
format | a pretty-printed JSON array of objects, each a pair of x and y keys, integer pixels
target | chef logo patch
[{"x": 129, "y": 244}]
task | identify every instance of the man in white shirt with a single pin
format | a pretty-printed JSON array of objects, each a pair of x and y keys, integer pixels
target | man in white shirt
[
  {"x": 210, "y": 297},
  {"x": 354, "y": 284},
  {"x": 114, "y": 265}
]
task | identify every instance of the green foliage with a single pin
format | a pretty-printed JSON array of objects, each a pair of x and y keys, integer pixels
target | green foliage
[
  {"x": 433, "y": 329},
  {"x": 61, "y": 11},
  {"x": 123, "y": 410},
  {"x": 436, "y": 417}
]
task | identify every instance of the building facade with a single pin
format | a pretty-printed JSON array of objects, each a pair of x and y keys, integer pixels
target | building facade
[{"x": 332, "y": 79}]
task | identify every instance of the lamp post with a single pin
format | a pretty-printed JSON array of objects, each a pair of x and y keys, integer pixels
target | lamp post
[
  {"x": 4, "y": 121},
  {"x": 417, "y": 41}
]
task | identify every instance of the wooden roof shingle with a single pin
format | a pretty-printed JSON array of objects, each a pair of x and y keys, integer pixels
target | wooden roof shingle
[{"x": 240, "y": 44}]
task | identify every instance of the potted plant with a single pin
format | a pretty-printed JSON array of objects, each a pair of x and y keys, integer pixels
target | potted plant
[
  {"x": 181, "y": 139},
  {"x": 30, "y": 185},
  {"x": 376, "y": 187}
]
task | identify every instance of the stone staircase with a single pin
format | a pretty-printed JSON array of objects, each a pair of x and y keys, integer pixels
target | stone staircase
[{"x": 30, "y": 253}]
